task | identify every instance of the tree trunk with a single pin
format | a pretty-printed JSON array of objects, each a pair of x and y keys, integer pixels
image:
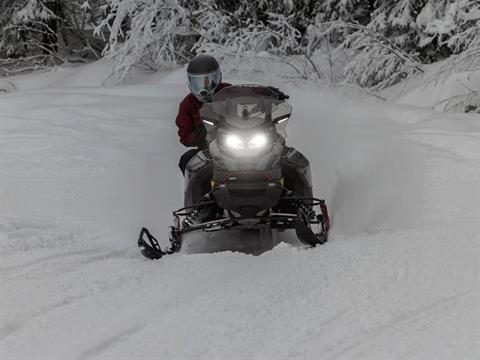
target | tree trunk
[{"x": 50, "y": 36}]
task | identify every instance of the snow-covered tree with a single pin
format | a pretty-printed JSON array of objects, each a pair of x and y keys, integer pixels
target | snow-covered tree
[
  {"x": 458, "y": 29},
  {"x": 377, "y": 61},
  {"x": 27, "y": 36},
  {"x": 154, "y": 34},
  {"x": 357, "y": 11},
  {"x": 79, "y": 20},
  {"x": 24, "y": 24},
  {"x": 145, "y": 33},
  {"x": 449, "y": 24},
  {"x": 387, "y": 49},
  {"x": 35, "y": 33}
]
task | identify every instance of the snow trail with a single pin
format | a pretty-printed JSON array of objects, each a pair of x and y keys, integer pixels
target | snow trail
[{"x": 84, "y": 167}]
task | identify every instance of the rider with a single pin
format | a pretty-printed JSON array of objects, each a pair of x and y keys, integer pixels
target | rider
[{"x": 204, "y": 80}]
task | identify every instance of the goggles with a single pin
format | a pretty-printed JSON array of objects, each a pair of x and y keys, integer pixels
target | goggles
[{"x": 204, "y": 84}]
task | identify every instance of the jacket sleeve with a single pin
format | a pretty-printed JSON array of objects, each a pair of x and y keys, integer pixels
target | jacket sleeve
[{"x": 186, "y": 125}]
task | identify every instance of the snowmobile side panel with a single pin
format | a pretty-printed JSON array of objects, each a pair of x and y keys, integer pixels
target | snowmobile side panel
[
  {"x": 297, "y": 174},
  {"x": 197, "y": 178}
]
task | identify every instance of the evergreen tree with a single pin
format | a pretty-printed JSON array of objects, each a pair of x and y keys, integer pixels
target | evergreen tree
[{"x": 35, "y": 33}]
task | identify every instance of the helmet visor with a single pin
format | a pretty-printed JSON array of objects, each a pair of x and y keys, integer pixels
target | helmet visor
[{"x": 204, "y": 83}]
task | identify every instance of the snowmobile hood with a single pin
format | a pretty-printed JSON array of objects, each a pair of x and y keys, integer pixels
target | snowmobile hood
[{"x": 245, "y": 107}]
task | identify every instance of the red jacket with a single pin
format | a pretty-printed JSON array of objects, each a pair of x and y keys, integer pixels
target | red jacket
[{"x": 188, "y": 119}]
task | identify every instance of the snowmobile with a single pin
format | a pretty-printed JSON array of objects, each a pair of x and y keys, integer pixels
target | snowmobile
[{"x": 247, "y": 178}]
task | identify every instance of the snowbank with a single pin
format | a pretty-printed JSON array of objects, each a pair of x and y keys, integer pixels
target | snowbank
[{"x": 456, "y": 92}]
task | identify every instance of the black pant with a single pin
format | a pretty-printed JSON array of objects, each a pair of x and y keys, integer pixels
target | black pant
[{"x": 186, "y": 158}]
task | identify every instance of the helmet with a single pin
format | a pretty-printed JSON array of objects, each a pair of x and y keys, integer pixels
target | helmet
[{"x": 204, "y": 77}]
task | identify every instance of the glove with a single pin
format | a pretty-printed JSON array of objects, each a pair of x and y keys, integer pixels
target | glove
[
  {"x": 278, "y": 93},
  {"x": 201, "y": 137},
  {"x": 200, "y": 132}
]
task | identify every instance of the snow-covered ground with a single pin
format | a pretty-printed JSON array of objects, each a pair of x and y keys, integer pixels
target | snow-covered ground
[{"x": 83, "y": 167}]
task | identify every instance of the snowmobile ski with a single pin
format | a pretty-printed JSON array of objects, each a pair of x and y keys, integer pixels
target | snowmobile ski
[{"x": 151, "y": 248}]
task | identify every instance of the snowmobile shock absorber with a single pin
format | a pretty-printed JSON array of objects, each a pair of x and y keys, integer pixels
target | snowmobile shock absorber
[{"x": 191, "y": 218}]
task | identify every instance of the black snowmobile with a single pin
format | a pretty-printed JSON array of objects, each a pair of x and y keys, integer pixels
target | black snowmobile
[{"x": 247, "y": 178}]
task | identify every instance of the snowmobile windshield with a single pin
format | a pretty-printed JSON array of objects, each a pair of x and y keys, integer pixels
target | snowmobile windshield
[{"x": 245, "y": 107}]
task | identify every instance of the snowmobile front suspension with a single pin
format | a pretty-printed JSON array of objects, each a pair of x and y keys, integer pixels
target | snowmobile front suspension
[{"x": 301, "y": 222}]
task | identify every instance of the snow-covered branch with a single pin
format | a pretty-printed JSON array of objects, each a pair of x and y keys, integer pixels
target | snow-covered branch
[{"x": 144, "y": 33}]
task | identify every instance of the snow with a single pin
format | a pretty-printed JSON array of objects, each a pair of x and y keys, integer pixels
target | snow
[
  {"x": 83, "y": 167},
  {"x": 426, "y": 15},
  {"x": 441, "y": 88},
  {"x": 32, "y": 9}
]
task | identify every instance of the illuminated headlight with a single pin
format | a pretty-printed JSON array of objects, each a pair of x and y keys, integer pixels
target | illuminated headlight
[
  {"x": 258, "y": 141},
  {"x": 234, "y": 142},
  {"x": 248, "y": 144}
]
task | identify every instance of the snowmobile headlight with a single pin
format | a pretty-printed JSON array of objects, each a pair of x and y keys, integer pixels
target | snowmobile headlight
[
  {"x": 258, "y": 141},
  {"x": 234, "y": 142},
  {"x": 246, "y": 144}
]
